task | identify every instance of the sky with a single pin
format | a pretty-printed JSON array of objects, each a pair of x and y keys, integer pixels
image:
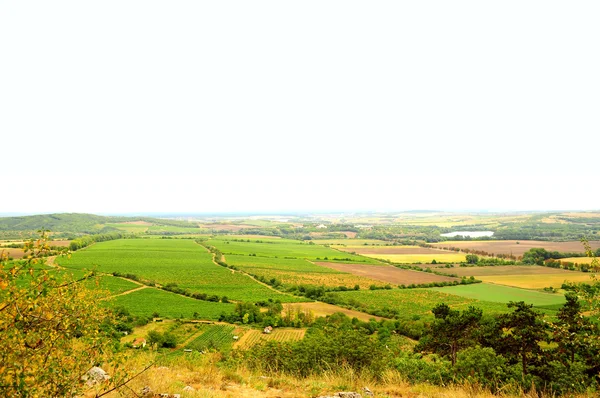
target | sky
[{"x": 271, "y": 106}]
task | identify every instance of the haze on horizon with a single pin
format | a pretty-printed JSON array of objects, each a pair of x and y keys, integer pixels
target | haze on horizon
[{"x": 149, "y": 107}]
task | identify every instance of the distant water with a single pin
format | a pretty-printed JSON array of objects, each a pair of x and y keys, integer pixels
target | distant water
[{"x": 470, "y": 234}]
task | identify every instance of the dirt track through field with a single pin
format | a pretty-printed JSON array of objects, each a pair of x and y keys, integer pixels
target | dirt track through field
[{"x": 131, "y": 291}]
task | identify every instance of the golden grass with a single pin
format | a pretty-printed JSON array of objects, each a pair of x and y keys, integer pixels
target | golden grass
[
  {"x": 208, "y": 379},
  {"x": 536, "y": 281},
  {"x": 578, "y": 260},
  {"x": 323, "y": 309}
]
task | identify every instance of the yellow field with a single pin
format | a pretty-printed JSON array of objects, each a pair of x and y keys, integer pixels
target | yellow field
[
  {"x": 253, "y": 337},
  {"x": 323, "y": 309},
  {"x": 420, "y": 258},
  {"x": 578, "y": 260},
  {"x": 536, "y": 281},
  {"x": 317, "y": 279}
]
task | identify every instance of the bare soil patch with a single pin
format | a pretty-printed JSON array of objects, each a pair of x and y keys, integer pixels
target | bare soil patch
[
  {"x": 14, "y": 253},
  {"x": 349, "y": 234},
  {"x": 388, "y": 273},
  {"x": 506, "y": 270},
  {"x": 60, "y": 243},
  {"x": 517, "y": 249}
]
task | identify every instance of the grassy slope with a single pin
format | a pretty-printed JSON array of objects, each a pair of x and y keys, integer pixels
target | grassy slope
[
  {"x": 502, "y": 294},
  {"x": 146, "y": 301}
]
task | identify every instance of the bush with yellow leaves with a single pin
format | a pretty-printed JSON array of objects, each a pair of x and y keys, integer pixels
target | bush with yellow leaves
[{"x": 53, "y": 329}]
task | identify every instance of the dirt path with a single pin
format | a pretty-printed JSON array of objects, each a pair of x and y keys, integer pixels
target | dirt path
[
  {"x": 130, "y": 291},
  {"x": 191, "y": 338},
  {"x": 50, "y": 262},
  {"x": 128, "y": 280},
  {"x": 316, "y": 303}
]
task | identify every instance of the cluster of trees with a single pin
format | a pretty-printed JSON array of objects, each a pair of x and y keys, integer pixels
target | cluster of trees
[
  {"x": 156, "y": 339},
  {"x": 538, "y": 256},
  {"x": 87, "y": 240},
  {"x": 250, "y": 313},
  {"x": 519, "y": 349},
  {"x": 521, "y": 346},
  {"x": 173, "y": 288},
  {"x": 463, "y": 281}
]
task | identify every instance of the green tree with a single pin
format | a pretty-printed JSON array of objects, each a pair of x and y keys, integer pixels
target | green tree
[
  {"x": 524, "y": 332},
  {"x": 155, "y": 339},
  {"x": 570, "y": 330},
  {"x": 451, "y": 331},
  {"x": 535, "y": 256},
  {"x": 472, "y": 258}
]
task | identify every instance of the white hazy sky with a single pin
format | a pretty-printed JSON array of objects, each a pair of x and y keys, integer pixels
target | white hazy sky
[{"x": 198, "y": 106}]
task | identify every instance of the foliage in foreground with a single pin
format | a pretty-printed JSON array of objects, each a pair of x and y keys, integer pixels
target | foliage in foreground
[{"x": 52, "y": 329}]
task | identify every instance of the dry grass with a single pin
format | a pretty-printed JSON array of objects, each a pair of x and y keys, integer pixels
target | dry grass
[
  {"x": 208, "y": 379},
  {"x": 577, "y": 260},
  {"x": 536, "y": 281},
  {"x": 324, "y": 309}
]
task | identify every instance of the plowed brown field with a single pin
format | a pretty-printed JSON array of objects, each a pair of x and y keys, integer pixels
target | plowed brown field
[
  {"x": 388, "y": 273},
  {"x": 514, "y": 248}
]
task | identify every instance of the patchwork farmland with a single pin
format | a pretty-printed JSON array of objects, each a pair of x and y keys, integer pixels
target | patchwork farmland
[
  {"x": 168, "y": 261},
  {"x": 406, "y": 254},
  {"x": 515, "y": 247}
]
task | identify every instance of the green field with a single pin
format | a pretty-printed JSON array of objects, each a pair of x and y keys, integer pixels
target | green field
[
  {"x": 286, "y": 248},
  {"x": 411, "y": 302},
  {"x": 219, "y": 337},
  {"x": 169, "y": 305},
  {"x": 502, "y": 294},
  {"x": 111, "y": 284},
  {"x": 182, "y": 262}
]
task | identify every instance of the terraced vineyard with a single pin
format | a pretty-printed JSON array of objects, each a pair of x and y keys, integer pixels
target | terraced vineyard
[
  {"x": 179, "y": 261},
  {"x": 219, "y": 337},
  {"x": 253, "y": 337}
]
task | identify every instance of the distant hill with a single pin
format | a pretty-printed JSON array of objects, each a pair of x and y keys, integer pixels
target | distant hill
[
  {"x": 63, "y": 222},
  {"x": 75, "y": 224}
]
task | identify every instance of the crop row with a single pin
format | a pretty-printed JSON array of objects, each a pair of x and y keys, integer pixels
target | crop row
[{"x": 219, "y": 337}]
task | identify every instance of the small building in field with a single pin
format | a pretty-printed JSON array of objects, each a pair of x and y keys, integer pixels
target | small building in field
[
  {"x": 268, "y": 330},
  {"x": 321, "y": 226},
  {"x": 140, "y": 342}
]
